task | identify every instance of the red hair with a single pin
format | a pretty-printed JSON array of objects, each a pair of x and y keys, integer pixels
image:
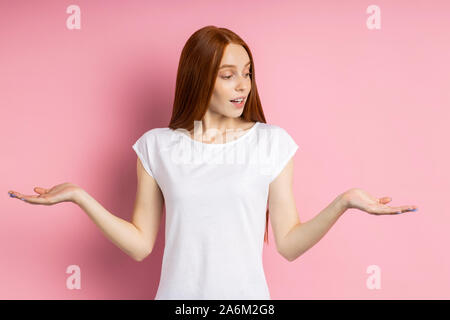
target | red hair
[{"x": 196, "y": 77}]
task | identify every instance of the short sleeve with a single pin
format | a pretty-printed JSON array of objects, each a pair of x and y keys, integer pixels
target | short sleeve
[
  {"x": 284, "y": 148},
  {"x": 143, "y": 149}
]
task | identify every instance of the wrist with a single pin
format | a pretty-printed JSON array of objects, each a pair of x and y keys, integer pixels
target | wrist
[
  {"x": 77, "y": 195},
  {"x": 342, "y": 202}
]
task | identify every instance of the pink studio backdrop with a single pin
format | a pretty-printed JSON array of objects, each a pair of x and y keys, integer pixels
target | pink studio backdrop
[{"x": 368, "y": 108}]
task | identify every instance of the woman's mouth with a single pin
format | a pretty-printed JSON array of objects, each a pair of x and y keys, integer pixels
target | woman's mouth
[{"x": 239, "y": 103}]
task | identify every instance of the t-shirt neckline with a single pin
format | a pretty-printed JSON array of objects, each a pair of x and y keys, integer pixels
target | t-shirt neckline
[{"x": 215, "y": 145}]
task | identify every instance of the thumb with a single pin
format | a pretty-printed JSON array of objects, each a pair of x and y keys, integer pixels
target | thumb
[
  {"x": 385, "y": 200},
  {"x": 40, "y": 190}
]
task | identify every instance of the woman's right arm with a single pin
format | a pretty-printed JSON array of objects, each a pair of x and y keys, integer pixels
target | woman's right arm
[{"x": 135, "y": 238}]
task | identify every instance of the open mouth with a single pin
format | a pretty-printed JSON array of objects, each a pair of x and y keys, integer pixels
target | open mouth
[{"x": 238, "y": 102}]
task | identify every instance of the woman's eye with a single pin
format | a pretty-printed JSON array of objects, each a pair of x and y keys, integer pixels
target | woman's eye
[{"x": 228, "y": 77}]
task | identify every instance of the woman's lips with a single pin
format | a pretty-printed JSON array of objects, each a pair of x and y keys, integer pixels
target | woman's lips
[{"x": 237, "y": 104}]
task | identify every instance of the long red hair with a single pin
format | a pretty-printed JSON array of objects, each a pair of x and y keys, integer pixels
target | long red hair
[{"x": 196, "y": 77}]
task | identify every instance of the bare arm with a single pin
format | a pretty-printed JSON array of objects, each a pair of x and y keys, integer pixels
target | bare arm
[
  {"x": 135, "y": 238},
  {"x": 122, "y": 233},
  {"x": 293, "y": 237},
  {"x": 305, "y": 235}
]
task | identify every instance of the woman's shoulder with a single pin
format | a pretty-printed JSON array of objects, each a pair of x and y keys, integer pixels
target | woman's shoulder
[
  {"x": 275, "y": 131},
  {"x": 269, "y": 126},
  {"x": 157, "y": 132}
]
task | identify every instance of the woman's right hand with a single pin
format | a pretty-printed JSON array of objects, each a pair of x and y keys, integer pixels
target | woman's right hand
[{"x": 64, "y": 192}]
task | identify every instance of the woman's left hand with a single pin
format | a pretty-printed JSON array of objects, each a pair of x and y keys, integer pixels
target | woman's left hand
[{"x": 359, "y": 199}]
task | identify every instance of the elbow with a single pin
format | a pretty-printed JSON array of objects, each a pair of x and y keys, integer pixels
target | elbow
[
  {"x": 142, "y": 256},
  {"x": 282, "y": 250},
  {"x": 286, "y": 256},
  {"x": 289, "y": 258}
]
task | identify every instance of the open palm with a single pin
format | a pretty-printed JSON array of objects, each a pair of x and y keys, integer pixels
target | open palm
[
  {"x": 359, "y": 199},
  {"x": 60, "y": 193}
]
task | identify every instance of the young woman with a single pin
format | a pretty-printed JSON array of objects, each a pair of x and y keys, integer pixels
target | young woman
[{"x": 217, "y": 188}]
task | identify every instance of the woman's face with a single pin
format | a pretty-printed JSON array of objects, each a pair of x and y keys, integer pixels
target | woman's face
[{"x": 232, "y": 82}]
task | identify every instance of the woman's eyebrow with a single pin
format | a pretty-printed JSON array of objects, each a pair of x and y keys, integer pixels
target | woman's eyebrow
[{"x": 232, "y": 65}]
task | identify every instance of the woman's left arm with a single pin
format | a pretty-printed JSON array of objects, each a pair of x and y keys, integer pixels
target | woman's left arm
[{"x": 292, "y": 237}]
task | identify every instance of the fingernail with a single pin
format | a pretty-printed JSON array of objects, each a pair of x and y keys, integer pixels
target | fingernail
[{"x": 22, "y": 199}]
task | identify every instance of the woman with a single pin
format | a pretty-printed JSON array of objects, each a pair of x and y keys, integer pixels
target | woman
[{"x": 217, "y": 188}]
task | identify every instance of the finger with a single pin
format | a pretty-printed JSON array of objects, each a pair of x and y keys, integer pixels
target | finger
[
  {"x": 379, "y": 210},
  {"x": 384, "y": 200},
  {"x": 14, "y": 194},
  {"x": 393, "y": 210},
  {"x": 30, "y": 199},
  {"x": 406, "y": 209},
  {"x": 40, "y": 190}
]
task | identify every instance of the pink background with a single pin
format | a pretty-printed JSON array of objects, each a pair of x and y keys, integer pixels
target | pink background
[{"x": 368, "y": 108}]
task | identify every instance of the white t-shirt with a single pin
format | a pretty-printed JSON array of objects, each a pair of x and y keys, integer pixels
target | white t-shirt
[{"x": 215, "y": 199}]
